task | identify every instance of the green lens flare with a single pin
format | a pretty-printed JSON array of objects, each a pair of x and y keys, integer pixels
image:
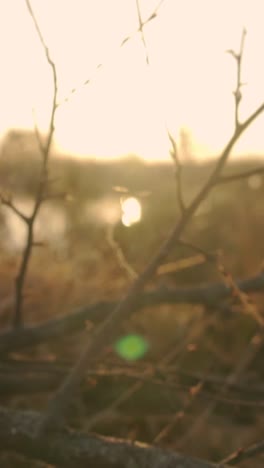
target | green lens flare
[{"x": 131, "y": 347}]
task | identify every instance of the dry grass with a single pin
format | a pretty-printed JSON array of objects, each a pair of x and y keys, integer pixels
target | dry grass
[{"x": 87, "y": 270}]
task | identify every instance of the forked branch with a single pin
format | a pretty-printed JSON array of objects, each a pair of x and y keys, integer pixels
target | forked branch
[
  {"x": 44, "y": 149},
  {"x": 105, "y": 332}
]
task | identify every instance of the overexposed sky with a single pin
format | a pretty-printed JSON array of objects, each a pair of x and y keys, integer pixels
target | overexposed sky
[{"x": 128, "y": 105}]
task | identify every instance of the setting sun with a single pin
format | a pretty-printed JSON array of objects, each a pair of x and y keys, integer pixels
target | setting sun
[{"x": 131, "y": 211}]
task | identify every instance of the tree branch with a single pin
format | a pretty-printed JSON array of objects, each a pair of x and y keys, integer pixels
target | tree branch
[
  {"x": 78, "y": 450},
  {"x": 30, "y": 220},
  {"x": 243, "y": 175},
  {"x": 13, "y": 340},
  {"x": 244, "y": 453},
  {"x": 106, "y": 331}
]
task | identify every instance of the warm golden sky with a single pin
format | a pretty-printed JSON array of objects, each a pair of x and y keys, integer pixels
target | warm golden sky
[{"x": 127, "y": 106}]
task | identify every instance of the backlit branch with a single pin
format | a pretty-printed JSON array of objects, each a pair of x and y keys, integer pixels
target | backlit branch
[
  {"x": 30, "y": 220},
  {"x": 67, "y": 324},
  {"x": 142, "y": 24},
  {"x": 237, "y": 93},
  {"x": 107, "y": 330},
  {"x": 178, "y": 172},
  {"x": 141, "y": 29}
]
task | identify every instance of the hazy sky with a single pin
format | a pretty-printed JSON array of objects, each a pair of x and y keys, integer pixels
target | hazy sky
[{"x": 128, "y": 104}]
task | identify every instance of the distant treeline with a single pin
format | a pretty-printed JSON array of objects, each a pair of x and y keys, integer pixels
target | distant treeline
[{"x": 91, "y": 178}]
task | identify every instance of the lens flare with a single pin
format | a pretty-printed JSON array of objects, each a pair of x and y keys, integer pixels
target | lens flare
[{"x": 131, "y": 211}]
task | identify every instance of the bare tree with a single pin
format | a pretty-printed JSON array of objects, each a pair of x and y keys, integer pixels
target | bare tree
[{"x": 45, "y": 436}]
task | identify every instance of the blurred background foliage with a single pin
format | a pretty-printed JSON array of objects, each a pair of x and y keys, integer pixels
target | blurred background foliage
[{"x": 77, "y": 265}]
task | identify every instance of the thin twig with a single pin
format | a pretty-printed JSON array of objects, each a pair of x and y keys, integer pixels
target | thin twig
[
  {"x": 7, "y": 201},
  {"x": 141, "y": 29},
  {"x": 248, "y": 306},
  {"x": 243, "y": 454},
  {"x": 110, "y": 235},
  {"x": 178, "y": 173},
  {"x": 237, "y": 93},
  {"x": 100, "y": 66},
  {"x": 148, "y": 374},
  {"x": 243, "y": 175},
  {"x": 209, "y": 257},
  {"x": 254, "y": 345},
  {"x": 193, "y": 392}
]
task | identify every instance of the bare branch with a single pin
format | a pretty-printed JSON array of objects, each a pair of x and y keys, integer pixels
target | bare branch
[
  {"x": 151, "y": 17},
  {"x": 248, "y": 306},
  {"x": 25, "y": 376},
  {"x": 237, "y": 93},
  {"x": 69, "y": 449},
  {"x": 209, "y": 256},
  {"x": 141, "y": 29},
  {"x": 148, "y": 373},
  {"x": 250, "y": 352},
  {"x": 119, "y": 253},
  {"x": 101, "y": 415},
  {"x": 243, "y": 175},
  {"x": 45, "y": 151},
  {"x": 107, "y": 330},
  {"x": 28, "y": 433},
  {"x": 244, "y": 453},
  {"x": 7, "y": 201},
  {"x": 178, "y": 173},
  {"x": 62, "y": 325}
]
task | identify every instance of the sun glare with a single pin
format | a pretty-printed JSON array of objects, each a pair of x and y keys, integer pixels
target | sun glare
[
  {"x": 128, "y": 105},
  {"x": 131, "y": 211}
]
